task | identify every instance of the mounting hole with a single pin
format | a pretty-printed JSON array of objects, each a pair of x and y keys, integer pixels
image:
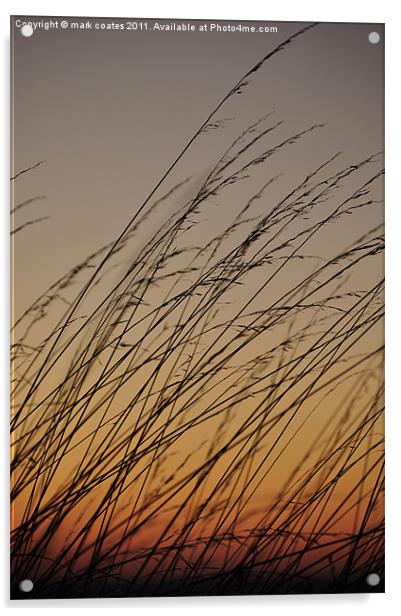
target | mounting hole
[
  {"x": 26, "y": 30},
  {"x": 26, "y": 585},
  {"x": 373, "y": 579},
  {"x": 374, "y": 37}
]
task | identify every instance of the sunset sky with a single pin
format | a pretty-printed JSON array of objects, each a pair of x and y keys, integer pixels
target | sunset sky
[{"x": 108, "y": 111}]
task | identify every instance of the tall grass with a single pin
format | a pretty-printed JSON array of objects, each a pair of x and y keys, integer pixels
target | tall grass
[{"x": 201, "y": 412}]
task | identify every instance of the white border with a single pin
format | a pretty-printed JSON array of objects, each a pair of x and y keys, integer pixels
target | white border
[{"x": 339, "y": 11}]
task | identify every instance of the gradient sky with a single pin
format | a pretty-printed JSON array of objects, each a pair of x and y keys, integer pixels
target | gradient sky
[{"x": 109, "y": 111}]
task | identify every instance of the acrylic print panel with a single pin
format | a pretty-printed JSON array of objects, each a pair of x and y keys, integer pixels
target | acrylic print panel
[{"x": 197, "y": 328}]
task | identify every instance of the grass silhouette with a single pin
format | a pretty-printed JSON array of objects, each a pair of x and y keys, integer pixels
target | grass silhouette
[{"x": 206, "y": 416}]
